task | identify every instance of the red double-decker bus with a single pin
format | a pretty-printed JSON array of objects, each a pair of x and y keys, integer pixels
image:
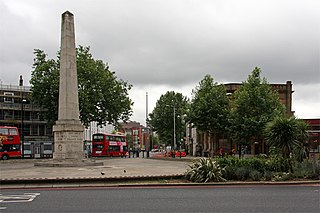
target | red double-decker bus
[
  {"x": 110, "y": 145},
  {"x": 9, "y": 142}
]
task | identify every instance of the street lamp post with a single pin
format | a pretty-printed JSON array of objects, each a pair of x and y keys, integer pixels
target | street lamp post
[
  {"x": 174, "y": 125},
  {"x": 22, "y": 127}
]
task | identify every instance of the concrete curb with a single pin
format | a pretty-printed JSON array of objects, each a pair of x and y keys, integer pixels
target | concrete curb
[
  {"x": 126, "y": 181},
  {"x": 88, "y": 179}
]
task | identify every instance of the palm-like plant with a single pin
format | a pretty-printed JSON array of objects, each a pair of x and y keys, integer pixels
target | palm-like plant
[
  {"x": 286, "y": 134},
  {"x": 204, "y": 170}
]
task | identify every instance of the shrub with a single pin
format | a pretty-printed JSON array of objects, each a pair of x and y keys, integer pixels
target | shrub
[
  {"x": 204, "y": 170},
  {"x": 229, "y": 173},
  {"x": 278, "y": 164},
  {"x": 256, "y": 164},
  {"x": 260, "y": 168},
  {"x": 242, "y": 173},
  {"x": 306, "y": 169},
  {"x": 268, "y": 175},
  {"x": 239, "y": 169},
  {"x": 228, "y": 161},
  {"x": 282, "y": 176},
  {"x": 255, "y": 175}
]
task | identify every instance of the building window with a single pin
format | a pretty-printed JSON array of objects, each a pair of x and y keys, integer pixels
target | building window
[
  {"x": 41, "y": 130},
  {"x": 34, "y": 130},
  {"x": 8, "y": 115},
  {"x": 135, "y": 132},
  {"x": 47, "y": 147},
  {"x": 8, "y": 97}
]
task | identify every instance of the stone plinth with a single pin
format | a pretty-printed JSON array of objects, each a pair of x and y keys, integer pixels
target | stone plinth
[
  {"x": 68, "y": 146},
  {"x": 68, "y": 137}
]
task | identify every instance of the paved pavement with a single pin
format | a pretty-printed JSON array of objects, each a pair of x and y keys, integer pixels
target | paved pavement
[{"x": 23, "y": 171}]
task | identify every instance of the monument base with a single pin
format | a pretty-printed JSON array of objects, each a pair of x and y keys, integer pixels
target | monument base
[
  {"x": 68, "y": 140},
  {"x": 68, "y": 163}
]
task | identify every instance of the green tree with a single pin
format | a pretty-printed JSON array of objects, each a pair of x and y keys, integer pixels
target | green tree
[
  {"x": 254, "y": 104},
  {"x": 45, "y": 85},
  {"x": 169, "y": 105},
  {"x": 288, "y": 136},
  {"x": 209, "y": 110},
  {"x": 102, "y": 97}
]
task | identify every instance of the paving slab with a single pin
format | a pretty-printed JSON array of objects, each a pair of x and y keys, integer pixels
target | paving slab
[{"x": 24, "y": 169}]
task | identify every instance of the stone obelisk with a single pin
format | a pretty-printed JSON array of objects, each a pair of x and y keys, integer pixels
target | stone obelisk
[{"x": 68, "y": 130}]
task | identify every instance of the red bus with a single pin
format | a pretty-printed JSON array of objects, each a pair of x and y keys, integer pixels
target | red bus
[
  {"x": 9, "y": 142},
  {"x": 110, "y": 145}
]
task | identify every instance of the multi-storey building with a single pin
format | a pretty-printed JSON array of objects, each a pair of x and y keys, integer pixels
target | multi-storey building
[
  {"x": 284, "y": 91},
  {"x": 314, "y": 135},
  {"x": 138, "y": 134},
  {"x": 203, "y": 147},
  {"x": 17, "y": 109}
]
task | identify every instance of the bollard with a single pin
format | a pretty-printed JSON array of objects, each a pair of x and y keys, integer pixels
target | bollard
[
  {"x": 129, "y": 153},
  {"x": 148, "y": 154},
  {"x": 143, "y": 154}
]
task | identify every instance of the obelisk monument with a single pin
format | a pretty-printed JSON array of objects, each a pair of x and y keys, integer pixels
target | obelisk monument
[{"x": 68, "y": 130}]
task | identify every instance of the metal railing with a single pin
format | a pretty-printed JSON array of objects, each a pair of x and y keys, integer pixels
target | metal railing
[
  {"x": 17, "y": 106},
  {"x": 15, "y": 88}
]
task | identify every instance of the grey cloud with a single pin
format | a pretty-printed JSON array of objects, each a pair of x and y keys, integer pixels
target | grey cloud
[{"x": 173, "y": 43}]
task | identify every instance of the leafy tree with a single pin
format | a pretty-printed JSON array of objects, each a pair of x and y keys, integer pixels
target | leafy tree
[
  {"x": 209, "y": 109},
  {"x": 102, "y": 97},
  {"x": 45, "y": 85},
  {"x": 254, "y": 104},
  {"x": 288, "y": 135},
  {"x": 161, "y": 119}
]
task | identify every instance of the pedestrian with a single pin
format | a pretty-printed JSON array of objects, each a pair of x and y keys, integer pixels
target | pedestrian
[
  {"x": 86, "y": 153},
  {"x": 233, "y": 152},
  {"x": 221, "y": 152}
]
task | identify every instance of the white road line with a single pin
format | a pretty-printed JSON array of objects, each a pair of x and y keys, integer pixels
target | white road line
[{"x": 26, "y": 197}]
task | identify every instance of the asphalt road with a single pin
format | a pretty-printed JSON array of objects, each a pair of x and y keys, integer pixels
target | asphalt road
[{"x": 165, "y": 199}]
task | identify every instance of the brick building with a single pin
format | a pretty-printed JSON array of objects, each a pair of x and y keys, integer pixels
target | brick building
[
  {"x": 284, "y": 91},
  {"x": 199, "y": 147},
  {"x": 314, "y": 135},
  {"x": 138, "y": 135}
]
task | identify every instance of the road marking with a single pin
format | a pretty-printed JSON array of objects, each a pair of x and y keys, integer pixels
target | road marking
[{"x": 26, "y": 197}]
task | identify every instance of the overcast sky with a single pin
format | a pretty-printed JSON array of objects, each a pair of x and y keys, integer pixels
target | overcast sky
[{"x": 170, "y": 45}]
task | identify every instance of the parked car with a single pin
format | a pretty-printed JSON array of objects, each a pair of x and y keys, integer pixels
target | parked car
[{"x": 156, "y": 152}]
